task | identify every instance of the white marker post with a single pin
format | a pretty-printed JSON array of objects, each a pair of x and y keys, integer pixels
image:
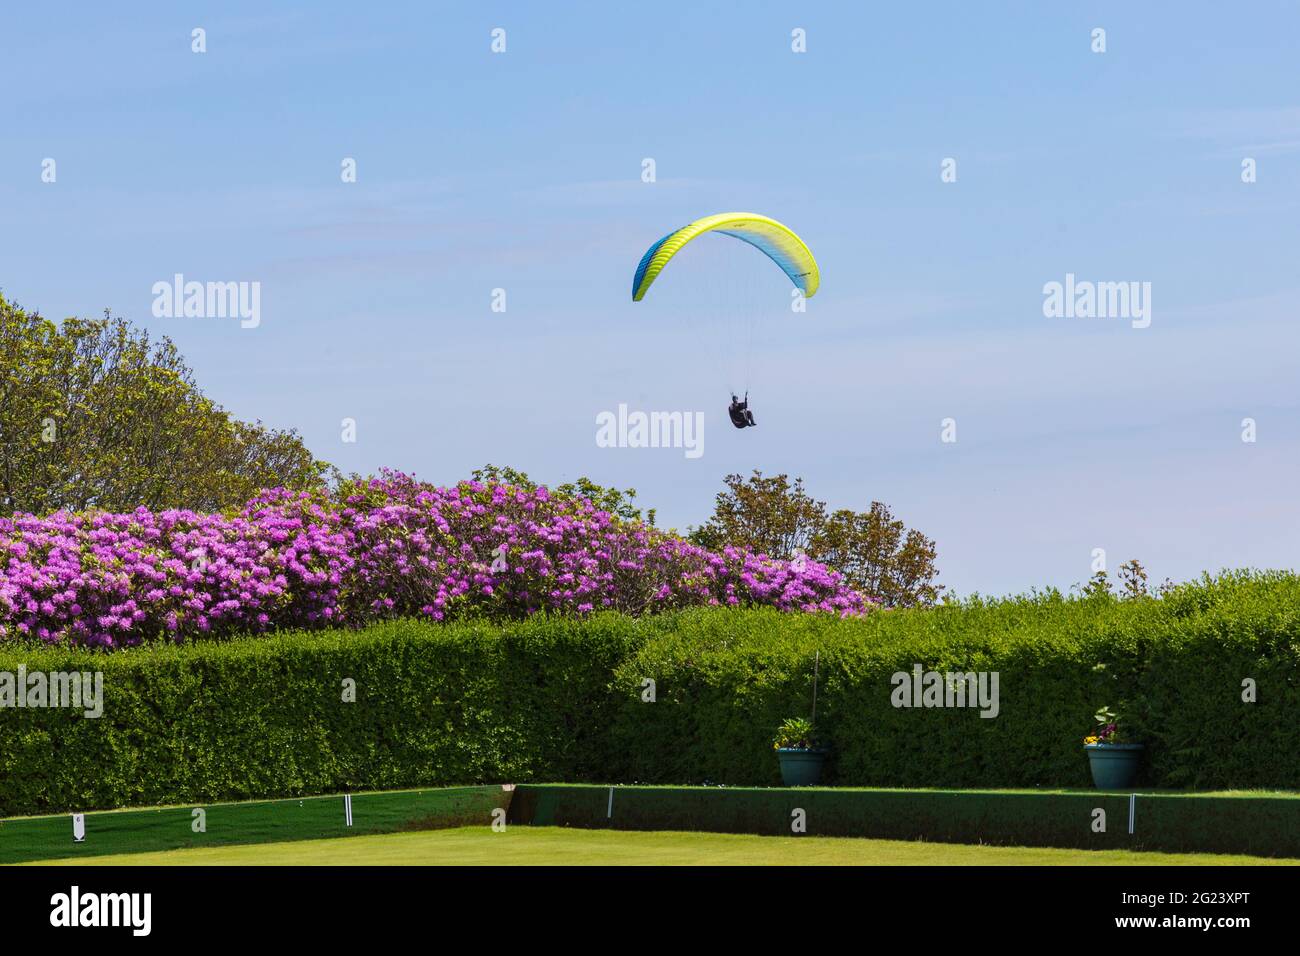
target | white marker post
[
  {"x": 78, "y": 828},
  {"x": 347, "y": 809}
]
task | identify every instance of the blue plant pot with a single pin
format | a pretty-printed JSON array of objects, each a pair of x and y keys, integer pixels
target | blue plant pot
[
  {"x": 1114, "y": 766},
  {"x": 800, "y": 767}
]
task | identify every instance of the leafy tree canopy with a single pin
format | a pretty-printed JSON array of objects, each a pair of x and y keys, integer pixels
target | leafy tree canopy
[
  {"x": 621, "y": 503},
  {"x": 95, "y": 414},
  {"x": 877, "y": 554}
]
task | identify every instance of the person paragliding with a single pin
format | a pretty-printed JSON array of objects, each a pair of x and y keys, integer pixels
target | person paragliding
[
  {"x": 773, "y": 239},
  {"x": 739, "y": 412}
]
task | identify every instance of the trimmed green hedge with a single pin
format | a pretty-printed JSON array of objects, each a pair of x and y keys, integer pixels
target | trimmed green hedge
[
  {"x": 1174, "y": 666},
  {"x": 265, "y": 717},
  {"x": 562, "y": 699}
]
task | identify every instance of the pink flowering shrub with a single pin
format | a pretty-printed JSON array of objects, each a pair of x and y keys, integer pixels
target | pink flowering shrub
[{"x": 382, "y": 548}]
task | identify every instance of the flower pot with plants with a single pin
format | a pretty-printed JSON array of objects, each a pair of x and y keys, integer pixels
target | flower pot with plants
[
  {"x": 797, "y": 751},
  {"x": 1113, "y": 759}
]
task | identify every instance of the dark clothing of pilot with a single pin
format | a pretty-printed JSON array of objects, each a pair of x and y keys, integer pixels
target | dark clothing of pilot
[{"x": 740, "y": 414}]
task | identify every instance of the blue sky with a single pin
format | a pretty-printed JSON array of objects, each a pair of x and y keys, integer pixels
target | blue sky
[{"x": 522, "y": 171}]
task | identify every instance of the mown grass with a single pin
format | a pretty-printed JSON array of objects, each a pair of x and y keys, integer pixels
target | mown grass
[{"x": 557, "y": 846}]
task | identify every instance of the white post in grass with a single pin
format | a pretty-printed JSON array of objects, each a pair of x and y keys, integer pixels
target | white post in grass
[
  {"x": 347, "y": 809},
  {"x": 817, "y": 659},
  {"x": 1132, "y": 811},
  {"x": 78, "y": 828}
]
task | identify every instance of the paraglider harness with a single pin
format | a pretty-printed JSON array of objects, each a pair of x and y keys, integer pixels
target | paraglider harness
[{"x": 739, "y": 412}]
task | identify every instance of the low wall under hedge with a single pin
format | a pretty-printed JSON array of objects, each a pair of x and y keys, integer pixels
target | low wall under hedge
[
  {"x": 566, "y": 699},
  {"x": 1262, "y": 825},
  {"x": 1256, "y": 825},
  {"x": 159, "y": 829}
]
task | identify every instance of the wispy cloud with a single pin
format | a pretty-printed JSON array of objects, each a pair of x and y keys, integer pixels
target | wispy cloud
[{"x": 1273, "y": 130}]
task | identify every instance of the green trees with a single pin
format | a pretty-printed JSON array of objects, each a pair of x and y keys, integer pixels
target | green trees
[
  {"x": 94, "y": 413},
  {"x": 877, "y": 554},
  {"x": 619, "y": 502}
]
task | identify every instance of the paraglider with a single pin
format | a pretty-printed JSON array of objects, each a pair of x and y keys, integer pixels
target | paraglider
[
  {"x": 775, "y": 240},
  {"x": 778, "y": 242},
  {"x": 739, "y": 412}
]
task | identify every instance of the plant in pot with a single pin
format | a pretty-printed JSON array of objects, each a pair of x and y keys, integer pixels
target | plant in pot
[
  {"x": 1113, "y": 759},
  {"x": 800, "y": 757}
]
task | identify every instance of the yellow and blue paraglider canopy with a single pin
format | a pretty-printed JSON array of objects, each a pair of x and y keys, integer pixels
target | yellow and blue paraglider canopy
[{"x": 778, "y": 242}]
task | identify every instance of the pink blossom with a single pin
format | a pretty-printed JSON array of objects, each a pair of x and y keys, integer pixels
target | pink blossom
[{"x": 384, "y": 548}]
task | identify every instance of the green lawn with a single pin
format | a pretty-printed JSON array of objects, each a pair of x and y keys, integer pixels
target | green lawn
[{"x": 524, "y": 846}]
